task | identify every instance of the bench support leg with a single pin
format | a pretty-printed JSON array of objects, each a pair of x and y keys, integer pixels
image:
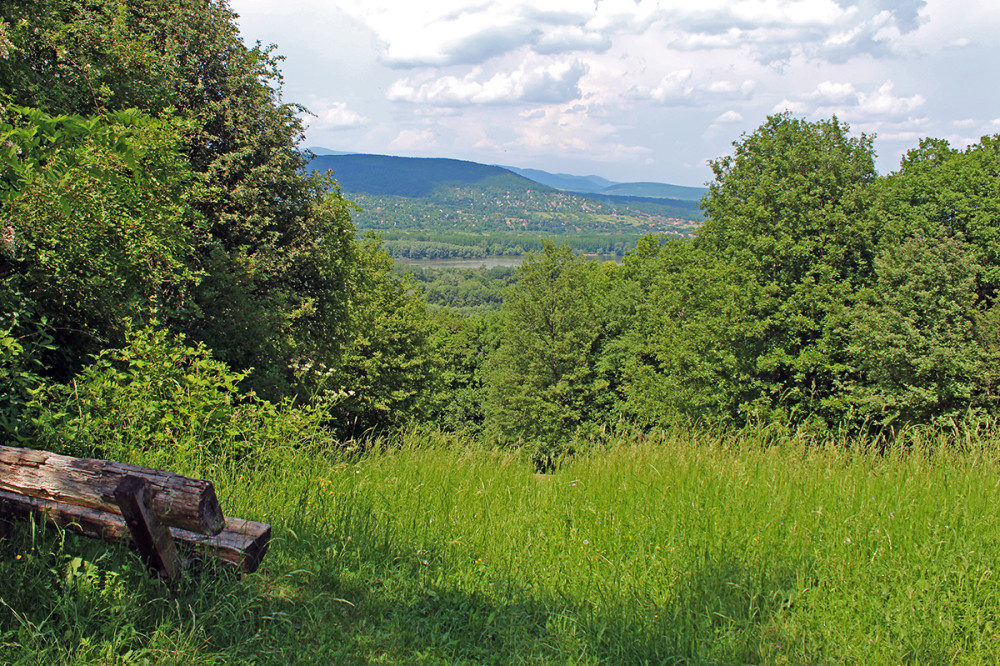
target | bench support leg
[{"x": 153, "y": 539}]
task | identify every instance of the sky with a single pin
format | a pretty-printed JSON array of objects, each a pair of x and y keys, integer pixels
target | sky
[{"x": 630, "y": 90}]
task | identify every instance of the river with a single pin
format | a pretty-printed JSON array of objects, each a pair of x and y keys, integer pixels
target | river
[{"x": 487, "y": 262}]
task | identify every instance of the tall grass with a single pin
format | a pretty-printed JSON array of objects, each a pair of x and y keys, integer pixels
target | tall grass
[{"x": 687, "y": 548}]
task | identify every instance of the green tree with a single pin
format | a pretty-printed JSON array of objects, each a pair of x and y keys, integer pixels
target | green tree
[
  {"x": 385, "y": 373},
  {"x": 98, "y": 224},
  {"x": 540, "y": 383},
  {"x": 463, "y": 345},
  {"x": 275, "y": 255},
  {"x": 681, "y": 314},
  {"x": 925, "y": 333},
  {"x": 788, "y": 216},
  {"x": 912, "y": 337},
  {"x": 942, "y": 192}
]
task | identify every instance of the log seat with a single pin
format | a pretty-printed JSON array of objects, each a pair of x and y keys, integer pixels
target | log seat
[{"x": 113, "y": 501}]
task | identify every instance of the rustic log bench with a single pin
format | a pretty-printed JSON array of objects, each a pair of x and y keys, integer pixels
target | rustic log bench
[{"x": 114, "y": 501}]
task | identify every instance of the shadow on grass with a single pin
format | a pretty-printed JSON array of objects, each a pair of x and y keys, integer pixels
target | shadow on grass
[{"x": 68, "y": 599}]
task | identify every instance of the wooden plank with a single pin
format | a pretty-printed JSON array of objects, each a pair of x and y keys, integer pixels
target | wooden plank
[
  {"x": 178, "y": 501},
  {"x": 151, "y": 537},
  {"x": 242, "y": 544}
]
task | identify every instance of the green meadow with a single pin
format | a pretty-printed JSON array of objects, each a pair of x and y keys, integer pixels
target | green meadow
[{"x": 687, "y": 548}]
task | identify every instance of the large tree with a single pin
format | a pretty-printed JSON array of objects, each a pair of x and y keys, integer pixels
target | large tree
[
  {"x": 924, "y": 334},
  {"x": 788, "y": 234},
  {"x": 275, "y": 251},
  {"x": 541, "y": 384}
]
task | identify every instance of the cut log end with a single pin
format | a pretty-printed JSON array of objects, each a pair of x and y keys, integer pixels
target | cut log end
[{"x": 210, "y": 512}]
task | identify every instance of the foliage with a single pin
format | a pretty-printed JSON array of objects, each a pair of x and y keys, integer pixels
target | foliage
[
  {"x": 677, "y": 347},
  {"x": 386, "y": 368},
  {"x": 941, "y": 192},
  {"x": 419, "y": 244},
  {"x": 912, "y": 336},
  {"x": 461, "y": 290},
  {"x": 169, "y": 403},
  {"x": 788, "y": 212},
  {"x": 922, "y": 332},
  {"x": 540, "y": 382},
  {"x": 271, "y": 251},
  {"x": 98, "y": 228},
  {"x": 19, "y": 379},
  {"x": 463, "y": 345}
]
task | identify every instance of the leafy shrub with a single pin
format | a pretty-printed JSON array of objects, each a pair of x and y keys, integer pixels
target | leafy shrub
[
  {"x": 18, "y": 377},
  {"x": 162, "y": 400}
]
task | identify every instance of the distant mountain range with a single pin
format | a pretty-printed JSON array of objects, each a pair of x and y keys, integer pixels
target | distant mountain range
[
  {"x": 598, "y": 185},
  {"x": 366, "y": 172},
  {"x": 414, "y": 177}
]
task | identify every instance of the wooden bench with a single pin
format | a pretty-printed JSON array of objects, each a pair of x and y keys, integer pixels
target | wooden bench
[{"x": 115, "y": 501}]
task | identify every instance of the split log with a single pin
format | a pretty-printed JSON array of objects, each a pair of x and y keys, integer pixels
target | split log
[
  {"x": 178, "y": 501},
  {"x": 243, "y": 543}
]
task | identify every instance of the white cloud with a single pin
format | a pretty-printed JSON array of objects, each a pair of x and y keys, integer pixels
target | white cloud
[
  {"x": 730, "y": 117},
  {"x": 452, "y": 32},
  {"x": 674, "y": 88},
  {"x": 583, "y": 80},
  {"x": 553, "y": 83},
  {"x": 845, "y": 100},
  {"x": 882, "y": 102},
  {"x": 792, "y": 106},
  {"x": 829, "y": 92},
  {"x": 572, "y": 130},
  {"x": 570, "y": 38},
  {"x": 335, "y": 115}
]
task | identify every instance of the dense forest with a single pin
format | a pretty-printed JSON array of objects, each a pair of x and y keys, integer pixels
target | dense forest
[
  {"x": 697, "y": 455},
  {"x": 156, "y": 207}
]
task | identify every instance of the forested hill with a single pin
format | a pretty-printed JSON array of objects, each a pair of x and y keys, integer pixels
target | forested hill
[
  {"x": 416, "y": 177},
  {"x": 429, "y": 194}
]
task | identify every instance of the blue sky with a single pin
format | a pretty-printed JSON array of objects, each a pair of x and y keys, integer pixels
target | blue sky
[{"x": 631, "y": 90}]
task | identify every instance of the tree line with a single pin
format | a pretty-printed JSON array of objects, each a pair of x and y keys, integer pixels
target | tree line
[
  {"x": 410, "y": 244},
  {"x": 164, "y": 248}
]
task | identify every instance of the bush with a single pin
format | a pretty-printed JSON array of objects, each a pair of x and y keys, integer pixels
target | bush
[{"x": 164, "y": 402}]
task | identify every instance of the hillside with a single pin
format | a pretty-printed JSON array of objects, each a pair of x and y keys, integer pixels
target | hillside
[
  {"x": 564, "y": 181},
  {"x": 415, "y": 177},
  {"x": 445, "y": 195},
  {"x": 655, "y": 190}
]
